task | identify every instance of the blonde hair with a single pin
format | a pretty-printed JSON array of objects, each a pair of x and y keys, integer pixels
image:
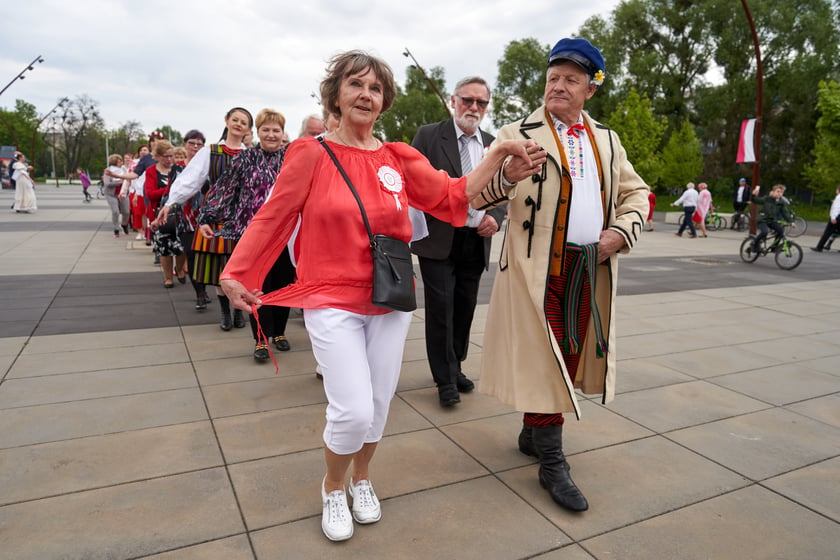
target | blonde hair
[
  {"x": 115, "y": 159},
  {"x": 270, "y": 115},
  {"x": 161, "y": 147}
]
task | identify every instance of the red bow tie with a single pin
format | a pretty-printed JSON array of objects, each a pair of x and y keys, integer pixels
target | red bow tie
[{"x": 573, "y": 130}]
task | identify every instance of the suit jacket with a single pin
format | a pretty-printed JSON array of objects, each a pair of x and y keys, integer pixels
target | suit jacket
[{"x": 439, "y": 143}]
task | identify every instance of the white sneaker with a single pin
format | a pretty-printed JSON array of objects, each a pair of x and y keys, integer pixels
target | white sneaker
[
  {"x": 140, "y": 236},
  {"x": 336, "y": 521},
  {"x": 366, "y": 507}
]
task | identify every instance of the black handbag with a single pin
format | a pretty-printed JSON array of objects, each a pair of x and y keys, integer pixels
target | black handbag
[{"x": 393, "y": 269}]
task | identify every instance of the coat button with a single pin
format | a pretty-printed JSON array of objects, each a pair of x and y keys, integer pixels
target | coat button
[
  {"x": 556, "y": 255},
  {"x": 563, "y": 201},
  {"x": 559, "y": 228}
]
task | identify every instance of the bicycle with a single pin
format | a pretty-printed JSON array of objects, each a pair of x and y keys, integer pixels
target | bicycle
[
  {"x": 714, "y": 221},
  {"x": 741, "y": 221},
  {"x": 797, "y": 226},
  {"x": 788, "y": 254}
]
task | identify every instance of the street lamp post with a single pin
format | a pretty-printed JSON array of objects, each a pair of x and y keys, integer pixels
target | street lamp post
[
  {"x": 759, "y": 94},
  {"x": 431, "y": 83},
  {"x": 31, "y": 66},
  {"x": 60, "y": 103}
]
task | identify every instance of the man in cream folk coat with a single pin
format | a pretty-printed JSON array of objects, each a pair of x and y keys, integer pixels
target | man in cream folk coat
[{"x": 551, "y": 322}]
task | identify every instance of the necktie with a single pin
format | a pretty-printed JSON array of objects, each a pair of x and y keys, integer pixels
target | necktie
[
  {"x": 466, "y": 160},
  {"x": 573, "y": 130}
]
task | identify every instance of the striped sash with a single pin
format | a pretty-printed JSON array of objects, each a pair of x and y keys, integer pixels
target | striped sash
[{"x": 582, "y": 270}]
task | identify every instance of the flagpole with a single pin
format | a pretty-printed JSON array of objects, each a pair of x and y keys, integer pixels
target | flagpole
[{"x": 759, "y": 90}]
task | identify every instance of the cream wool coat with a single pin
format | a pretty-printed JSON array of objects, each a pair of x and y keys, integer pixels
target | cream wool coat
[{"x": 522, "y": 363}]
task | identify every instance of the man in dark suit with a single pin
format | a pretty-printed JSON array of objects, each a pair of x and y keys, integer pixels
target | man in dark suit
[
  {"x": 453, "y": 259},
  {"x": 740, "y": 199}
]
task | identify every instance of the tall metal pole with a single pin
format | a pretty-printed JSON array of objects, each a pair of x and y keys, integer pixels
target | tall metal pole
[
  {"x": 759, "y": 95},
  {"x": 30, "y": 66},
  {"x": 431, "y": 83}
]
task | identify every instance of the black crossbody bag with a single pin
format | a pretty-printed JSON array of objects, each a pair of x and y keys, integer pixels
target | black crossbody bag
[{"x": 393, "y": 270}]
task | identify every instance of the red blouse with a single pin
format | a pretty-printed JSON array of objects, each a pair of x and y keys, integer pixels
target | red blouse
[{"x": 335, "y": 267}]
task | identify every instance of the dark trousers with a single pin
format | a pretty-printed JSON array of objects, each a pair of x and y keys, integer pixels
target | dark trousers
[
  {"x": 763, "y": 230},
  {"x": 687, "y": 221},
  {"x": 450, "y": 287},
  {"x": 272, "y": 318},
  {"x": 827, "y": 233}
]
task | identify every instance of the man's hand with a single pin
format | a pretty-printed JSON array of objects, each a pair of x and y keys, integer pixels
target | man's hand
[
  {"x": 522, "y": 166},
  {"x": 611, "y": 242},
  {"x": 488, "y": 226}
]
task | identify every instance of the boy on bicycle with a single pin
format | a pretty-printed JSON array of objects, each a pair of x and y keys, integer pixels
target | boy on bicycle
[{"x": 772, "y": 208}]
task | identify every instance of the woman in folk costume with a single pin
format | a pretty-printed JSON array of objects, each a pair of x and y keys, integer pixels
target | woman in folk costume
[
  {"x": 24, "y": 186},
  {"x": 211, "y": 253},
  {"x": 234, "y": 199},
  {"x": 551, "y": 321}
]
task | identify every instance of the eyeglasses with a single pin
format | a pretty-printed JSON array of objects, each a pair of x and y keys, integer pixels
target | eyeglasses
[
  {"x": 468, "y": 101},
  {"x": 195, "y": 143}
]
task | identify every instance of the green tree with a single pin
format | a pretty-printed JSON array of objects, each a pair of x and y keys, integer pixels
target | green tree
[
  {"x": 413, "y": 107},
  {"x": 682, "y": 160},
  {"x": 824, "y": 171},
  {"x": 641, "y": 135},
  {"x": 521, "y": 80},
  {"x": 77, "y": 133},
  {"x": 126, "y": 138},
  {"x": 175, "y": 138}
]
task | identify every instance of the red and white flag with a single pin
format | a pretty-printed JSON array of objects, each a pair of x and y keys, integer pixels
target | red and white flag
[{"x": 746, "y": 145}]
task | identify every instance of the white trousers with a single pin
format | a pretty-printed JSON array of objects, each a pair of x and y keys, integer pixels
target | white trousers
[{"x": 360, "y": 358}]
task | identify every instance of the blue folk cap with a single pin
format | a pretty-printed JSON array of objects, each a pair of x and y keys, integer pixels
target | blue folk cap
[{"x": 581, "y": 52}]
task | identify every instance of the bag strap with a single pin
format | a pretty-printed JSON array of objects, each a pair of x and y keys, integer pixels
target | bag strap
[{"x": 349, "y": 184}]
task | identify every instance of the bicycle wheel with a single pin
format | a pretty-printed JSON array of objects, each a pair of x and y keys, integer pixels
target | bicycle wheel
[
  {"x": 747, "y": 255},
  {"x": 716, "y": 223},
  {"x": 788, "y": 255},
  {"x": 796, "y": 228}
]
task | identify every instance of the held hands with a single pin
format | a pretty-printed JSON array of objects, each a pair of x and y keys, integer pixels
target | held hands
[
  {"x": 527, "y": 159},
  {"x": 239, "y": 296}
]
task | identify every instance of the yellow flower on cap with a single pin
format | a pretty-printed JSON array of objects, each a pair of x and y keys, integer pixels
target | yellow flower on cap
[{"x": 598, "y": 78}]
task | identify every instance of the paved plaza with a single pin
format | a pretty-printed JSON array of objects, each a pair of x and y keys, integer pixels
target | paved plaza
[{"x": 131, "y": 426}]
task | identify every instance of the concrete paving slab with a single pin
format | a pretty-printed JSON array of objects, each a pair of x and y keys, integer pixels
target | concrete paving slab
[
  {"x": 39, "y": 471},
  {"x": 780, "y": 385},
  {"x": 448, "y": 522},
  {"x": 55, "y": 422},
  {"x": 663, "y": 409},
  {"x": 617, "y": 484},
  {"x": 233, "y": 548},
  {"x": 763, "y": 444},
  {"x": 825, "y": 409},
  {"x": 125, "y": 521},
  {"x": 814, "y": 487},
  {"x": 749, "y": 523}
]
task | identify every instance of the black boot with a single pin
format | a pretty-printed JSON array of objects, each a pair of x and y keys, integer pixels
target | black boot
[
  {"x": 238, "y": 319},
  {"x": 526, "y": 441},
  {"x": 226, "y": 323},
  {"x": 554, "y": 470}
]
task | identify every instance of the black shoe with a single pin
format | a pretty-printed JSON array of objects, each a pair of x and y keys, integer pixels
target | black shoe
[
  {"x": 448, "y": 395},
  {"x": 281, "y": 343},
  {"x": 554, "y": 470},
  {"x": 125, "y": 229},
  {"x": 201, "y": 302},
  {"x": 464, "y": 384},
  {"x": 116, "y": 233},
  {"x": 261, "y": 352},
  {"x": 817, "y": 249},
  {"x": 225, "y": 323},
  {"x": 239, "y": 319}
]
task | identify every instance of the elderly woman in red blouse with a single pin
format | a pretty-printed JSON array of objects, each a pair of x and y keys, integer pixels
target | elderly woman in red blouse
[{"x": 358, "y": 345}]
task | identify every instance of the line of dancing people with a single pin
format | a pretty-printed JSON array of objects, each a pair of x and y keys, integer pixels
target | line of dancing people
[{"x": 191, "y": 204}]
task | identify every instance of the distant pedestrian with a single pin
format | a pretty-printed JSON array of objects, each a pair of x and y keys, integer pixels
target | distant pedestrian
[
  {"x": 652, "y": 203},
  {"x": 24, "y": 186},
  {"x": 688, "y": 200},
  {"x": 833, "y": 225},
  {"x": 85, "y": 181},
  {"x": 704, "y": 204}
]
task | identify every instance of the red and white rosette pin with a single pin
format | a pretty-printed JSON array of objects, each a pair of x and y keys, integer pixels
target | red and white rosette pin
[{"x": 392, "y": 181}]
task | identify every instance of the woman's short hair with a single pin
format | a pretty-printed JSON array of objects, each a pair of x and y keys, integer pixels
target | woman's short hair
[
  {"x": 161, "y": 147},
  {"x": 114, "y": 159},
  {"x": 270, "y": 115},
  {"x": 193, "y": 134},
  {"x": 353, "y": 62}
]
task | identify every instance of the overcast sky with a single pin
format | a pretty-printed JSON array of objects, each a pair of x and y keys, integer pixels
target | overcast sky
[{"x": 185, "y": 63}]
